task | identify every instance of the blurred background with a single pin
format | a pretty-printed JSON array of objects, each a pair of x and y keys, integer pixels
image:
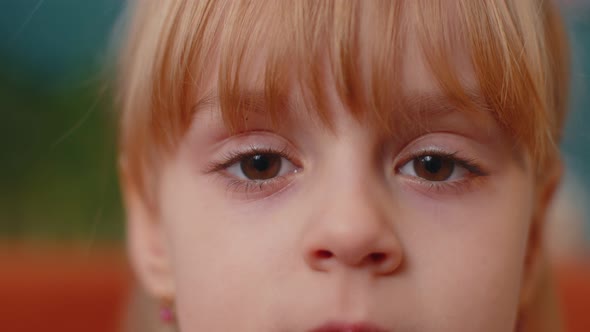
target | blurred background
[{"x": 61, "y": 222}]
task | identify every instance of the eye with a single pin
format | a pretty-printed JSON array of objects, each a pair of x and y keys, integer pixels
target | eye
[
  {"x": 436, "y": 168},
  {"x": 261, "y": 166}
]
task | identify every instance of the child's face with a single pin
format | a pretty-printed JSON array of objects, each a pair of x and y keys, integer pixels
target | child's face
[{"x": 295, "y": 227}]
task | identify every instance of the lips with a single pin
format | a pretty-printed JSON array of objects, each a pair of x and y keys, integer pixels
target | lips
[{"x": 347, "y": 327}]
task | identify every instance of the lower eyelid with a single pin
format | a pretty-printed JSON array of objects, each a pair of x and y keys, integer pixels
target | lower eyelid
[
  {"x": 289, "y": 166},
  {"x": 456, "y": 187},
  {"x": 258, "y": 189}
]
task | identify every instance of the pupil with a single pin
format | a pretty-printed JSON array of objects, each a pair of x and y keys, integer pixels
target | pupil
[
  {"x": 432, "y": 164},
  {"x": 260, "y": 162},
  {"x": 261, "y": 166},
  {"x": 434, "y": 168}
]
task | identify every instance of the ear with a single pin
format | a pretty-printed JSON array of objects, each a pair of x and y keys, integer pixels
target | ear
[
  {"x": 537, "y": 285},
  {"x": 147, "y": 246}
]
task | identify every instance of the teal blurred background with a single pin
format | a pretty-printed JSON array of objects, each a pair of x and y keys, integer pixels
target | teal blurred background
[{"x": 58, "y": 127}]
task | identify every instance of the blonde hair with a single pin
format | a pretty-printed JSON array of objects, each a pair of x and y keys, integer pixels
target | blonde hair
[{"x": 518, "y": 50}]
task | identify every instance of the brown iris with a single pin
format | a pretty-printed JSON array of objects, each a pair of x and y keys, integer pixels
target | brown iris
[
  {"x": 434, "y": 168},
  {"x": 262, "y": 166}
]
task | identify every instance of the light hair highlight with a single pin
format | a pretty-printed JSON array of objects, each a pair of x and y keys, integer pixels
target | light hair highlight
[{"x": 518, "y": 50}]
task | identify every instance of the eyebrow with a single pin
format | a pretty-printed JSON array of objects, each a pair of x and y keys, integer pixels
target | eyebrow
[
  {"x": 254, "y": 101},
  {"x": 412, "y": 106},
  {"x": 436, "y": 101}
]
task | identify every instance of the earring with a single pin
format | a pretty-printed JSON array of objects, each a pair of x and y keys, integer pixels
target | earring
[{"x": 167, "y": 312}]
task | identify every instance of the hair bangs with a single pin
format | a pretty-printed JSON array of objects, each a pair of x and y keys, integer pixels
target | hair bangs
[
  {"x": 520, "y": 64},
  {"x": 305, "y": 46},
  {"x": 308, "y": 42},
  {"x": 516, "y": 51}
]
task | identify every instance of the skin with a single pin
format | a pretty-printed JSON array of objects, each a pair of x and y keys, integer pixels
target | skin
[{"x": 349, "y": 232}]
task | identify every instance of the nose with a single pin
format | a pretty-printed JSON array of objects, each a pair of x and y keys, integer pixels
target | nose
[{"x": 353, "y": 231}]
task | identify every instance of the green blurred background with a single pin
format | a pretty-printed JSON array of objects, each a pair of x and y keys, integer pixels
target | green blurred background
[
  {"x": 58, "y": 177},
  {"x": 57, "y": 131}
]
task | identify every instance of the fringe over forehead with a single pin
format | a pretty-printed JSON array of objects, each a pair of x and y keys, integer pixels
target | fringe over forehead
[{"x": 173, "y": 48}]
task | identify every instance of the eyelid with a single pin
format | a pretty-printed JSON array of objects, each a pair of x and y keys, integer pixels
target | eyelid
[
  {"x": 235, "y": 167},
  {"x": 475, "y": 175},
  {"x": 469, "y": 164},
  {"x": 252, "y": 189},
  {"x": 234, "y": 156},
  {"x": 458, "y": 174}
]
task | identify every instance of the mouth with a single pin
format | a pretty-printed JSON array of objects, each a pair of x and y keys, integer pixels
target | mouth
[{"x": 348, "y": 327}]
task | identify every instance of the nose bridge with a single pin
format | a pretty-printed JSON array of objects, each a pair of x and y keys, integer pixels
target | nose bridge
[{"x": 352, "y": 226}]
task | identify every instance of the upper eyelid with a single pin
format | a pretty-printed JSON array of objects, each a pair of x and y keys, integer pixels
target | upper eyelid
[
  {"x": 423, "y": 152},
  {"x": 472, "y": 165},
  {"x": 254, "y": 150},
  {"x": 253, "y": 138},
  {"x": 232, "y": 157}
]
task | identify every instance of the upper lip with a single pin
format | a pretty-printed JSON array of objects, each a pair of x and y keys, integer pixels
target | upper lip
[{"x": 348, "y": 327}]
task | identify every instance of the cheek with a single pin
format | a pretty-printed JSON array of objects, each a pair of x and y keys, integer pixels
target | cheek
[
  {"x": 221, "y": 254},
  {"x": 469, "y": 250}
]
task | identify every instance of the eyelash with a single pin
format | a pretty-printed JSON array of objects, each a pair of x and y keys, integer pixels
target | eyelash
[
  {"x": 249, "y": 186},
  {"x": 233, "y": 157},
  {"x": 476, "y": 172},
  {"x": 470, "y": 164}
]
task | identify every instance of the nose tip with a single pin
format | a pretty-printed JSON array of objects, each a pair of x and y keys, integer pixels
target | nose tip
[
  {"x": 354, "y": 228},
  {"x": 379, "y": 260}
]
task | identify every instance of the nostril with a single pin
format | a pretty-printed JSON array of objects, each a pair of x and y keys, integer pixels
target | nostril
[
  {"x": 324, "y": 254},
  {"x": 377, "y": 257}
]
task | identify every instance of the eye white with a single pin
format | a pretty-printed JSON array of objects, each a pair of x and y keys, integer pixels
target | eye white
[
  {"x": 408, "y": 169},
  {"x": 236, "y": 169}
]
